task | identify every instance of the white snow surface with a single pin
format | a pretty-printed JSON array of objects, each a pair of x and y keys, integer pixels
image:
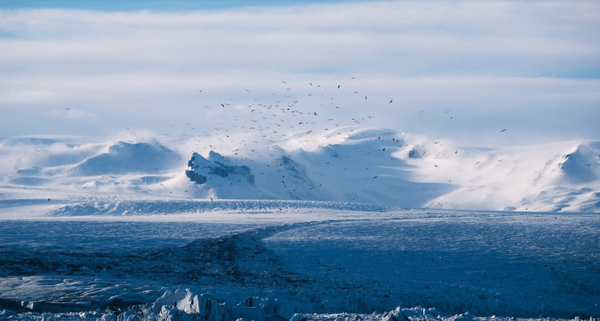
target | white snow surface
[
  {"x": 346, "y": 164},
  {"x": 346, "y": 224},
  {"x": 302, "y": 261}
]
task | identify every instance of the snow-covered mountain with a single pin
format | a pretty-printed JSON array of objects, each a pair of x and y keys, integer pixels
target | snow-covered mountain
[
  {"x": 552, "y": 177},
  {"x": 313, "y": 226},
  {"x": 126, "y": 158},
  {"x": 346, "y": 164}
]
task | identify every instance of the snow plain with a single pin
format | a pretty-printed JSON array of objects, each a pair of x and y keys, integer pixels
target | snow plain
[{"x": 346, "y": 224}]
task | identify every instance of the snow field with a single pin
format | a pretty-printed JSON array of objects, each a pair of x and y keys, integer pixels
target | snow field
[
  {"x": 343, "y": 164},
  {"x": 324, "y": 261}
]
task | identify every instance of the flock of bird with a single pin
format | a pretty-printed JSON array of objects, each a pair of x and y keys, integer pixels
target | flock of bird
[
  {"x": 270, "y": 119},
  {"x": 266, "y": 120},
  {"x": 293, "y": 111},
  {"x": 283, "y": 115},
  {"x": 290, "y": 112}
]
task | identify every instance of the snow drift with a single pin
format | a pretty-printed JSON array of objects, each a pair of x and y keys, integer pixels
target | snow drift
[
  {"x": 582, "y": 166},
  {"x": 345, "y": 164},
  {"x": 123, "y": 158}
]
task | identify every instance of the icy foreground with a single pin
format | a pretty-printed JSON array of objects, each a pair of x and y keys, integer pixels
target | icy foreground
[{"x": 290, "y": 260}]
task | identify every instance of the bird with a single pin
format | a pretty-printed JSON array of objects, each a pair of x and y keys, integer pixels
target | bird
[
  {"x": 339, "y": 86},
  {"x": 365, "y": 97},
  {"x": 502, "y": 131},
  {"x": 391, "y": 101}
]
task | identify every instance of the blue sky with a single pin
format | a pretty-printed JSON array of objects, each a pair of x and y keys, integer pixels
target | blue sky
[
  {"x": 155, "y": 5},
  {"x": 455, "y": 69}
]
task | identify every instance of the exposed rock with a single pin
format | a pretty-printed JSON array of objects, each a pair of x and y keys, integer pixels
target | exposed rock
[
  {"x": 297, "y": 181},
  {"x": 417, "y": 152},
  {"x": 201, "y": 169}
]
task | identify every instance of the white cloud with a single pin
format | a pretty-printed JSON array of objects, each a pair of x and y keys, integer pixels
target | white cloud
[
  {"x": 70, "y": 113},
  {"x": 140, "y": 69}
]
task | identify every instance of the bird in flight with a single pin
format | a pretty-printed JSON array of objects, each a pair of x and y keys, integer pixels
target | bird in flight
[
  {"x": 502, "y": 131},
  {"x": 391, "y": 101}
]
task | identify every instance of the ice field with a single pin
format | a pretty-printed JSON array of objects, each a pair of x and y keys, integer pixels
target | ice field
[{"x": 295, "y": 258}]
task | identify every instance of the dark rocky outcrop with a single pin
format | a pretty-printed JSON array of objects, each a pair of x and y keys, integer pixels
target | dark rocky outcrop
[{"x": 201, "y": 169}]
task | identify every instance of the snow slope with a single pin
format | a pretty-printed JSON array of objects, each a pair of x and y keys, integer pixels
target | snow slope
[
  {"x": 123, "y": 158},
  {"x": 345, "y": 164},
  {"x": 553, "y": 177}
]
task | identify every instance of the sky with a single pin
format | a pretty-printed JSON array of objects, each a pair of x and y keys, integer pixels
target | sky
[{"x": 464, "y": 70}]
